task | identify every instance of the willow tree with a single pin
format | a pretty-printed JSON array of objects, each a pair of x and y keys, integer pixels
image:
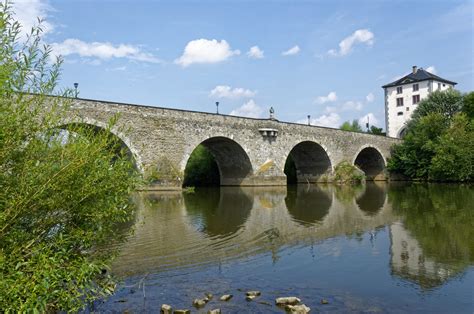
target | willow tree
[{"x": 61, "y": 197}]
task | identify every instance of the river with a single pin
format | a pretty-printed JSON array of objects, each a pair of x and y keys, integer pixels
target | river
[{"x": 384, "y": 248}]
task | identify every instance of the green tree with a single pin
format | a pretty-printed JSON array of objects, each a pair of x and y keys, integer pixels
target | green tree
[
  {"x": 468, "y": 105},
  {"x": 353, "y": 126},
  {"x": 201, "y": 169},
  {"x": 438, "y": 144},
  {"x": 61, "y": 192},
  {"x": 375, "y": 130}
]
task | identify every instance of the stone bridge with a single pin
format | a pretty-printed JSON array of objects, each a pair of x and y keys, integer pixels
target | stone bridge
[{"x": 248, "y": 152}]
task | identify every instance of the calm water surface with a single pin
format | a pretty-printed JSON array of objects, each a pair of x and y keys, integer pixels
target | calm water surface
[{"x": 399, "y": 248}]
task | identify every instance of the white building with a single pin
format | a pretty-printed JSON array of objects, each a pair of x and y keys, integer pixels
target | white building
[{"x": 403, "y": 95}]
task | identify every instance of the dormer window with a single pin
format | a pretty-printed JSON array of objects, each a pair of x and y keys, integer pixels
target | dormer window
[
  {"x": 399, "y": 90},
  {"x": 415, "y": 87}
]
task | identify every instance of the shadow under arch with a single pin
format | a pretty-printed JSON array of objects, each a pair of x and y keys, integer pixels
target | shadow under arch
[
  {"x": 372, "y": 163},
  {"x": 307, "y": 205},
  {"x": 83, "y": 129},
  {"x": 218, "y": 211},
  {"x": 307, "y": 162},
  {"x": 372, "y": 199},
  {"x": 232, "y": 161}
]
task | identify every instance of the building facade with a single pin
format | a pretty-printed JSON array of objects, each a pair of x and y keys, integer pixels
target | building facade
[{"x": 403, "y": 95}]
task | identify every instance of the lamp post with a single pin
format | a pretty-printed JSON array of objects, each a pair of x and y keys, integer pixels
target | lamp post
[
  {"x": 272, "y": 113},
  {"x": 309, "y": 119},
  {"x": 76, "y": 85},
  {"x": 217, "y": 107}
]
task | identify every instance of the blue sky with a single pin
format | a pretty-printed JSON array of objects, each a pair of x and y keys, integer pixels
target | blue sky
[{"x": 327, "y": 59}]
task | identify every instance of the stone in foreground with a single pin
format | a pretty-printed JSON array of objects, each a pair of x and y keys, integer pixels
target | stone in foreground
[
  {"x": 166, "y": 309},
  {"x": 297, "y": 309},
  {"x": 254, "y": 293},
  {"x": 198, "y": 303},
  {"x": 324, "y": 301},
  {"x": 250, "y": 297},
  {"x": 226, "y": 297},
  {"x": 209, "y": 296},
  {"x": 287, "y": 301},
  {"x": 215, "y": 311},
  {"x": 182, "y": 312}
]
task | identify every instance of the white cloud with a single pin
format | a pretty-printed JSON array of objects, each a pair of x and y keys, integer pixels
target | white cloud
[
  {"x": 372, "y": 120},
  {"x": 362, "y": 36},
  {"x": 255, "y": 53},
  {"x": 370, "y": 97},
  {"x": 249, "y": 109},
  {"x": 102, "y": 50},
  {"x": 205, "y": 51},
  {"x": 331, "y": 97},
  {"x": 292, "y": 51},
  {"x": 431, "y": 69},
  {"x": 225, "y": 91},
  {"x": 352, "y": 105},
  {"x": 27, "y": 13},
  {"x": 332, "y": 120}
]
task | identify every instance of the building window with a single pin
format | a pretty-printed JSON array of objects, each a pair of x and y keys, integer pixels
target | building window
[
  {"x": 399, "y": 102},
  {"x": 439, "y": 86},
  {"x": 416, "y": 99},
  {"x": 415, "y": 87},
  {"x": 400, "y": 113},
  {"x": 399, "y": 90},
  {"x": 408, "y": 108}
]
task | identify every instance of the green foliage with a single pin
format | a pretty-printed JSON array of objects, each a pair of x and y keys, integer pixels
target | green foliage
[
  {"x": 438, "y": 144},
  {"x": 453, "y": 158},
  {"x": 201, "y": 169},
  {"x": 346, "y": 172},
  {"x": 375, "y": 130},
  {"x": 61, "y": 194},
  {"x": 354, "y": 126},
  {"x": 447, "y": 103},
  {"x": 468, "y": 105}
]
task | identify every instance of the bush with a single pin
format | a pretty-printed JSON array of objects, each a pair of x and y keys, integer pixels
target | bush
[
  {"x": 62, "y": 193},
  {"x": 345, "y": 172}
]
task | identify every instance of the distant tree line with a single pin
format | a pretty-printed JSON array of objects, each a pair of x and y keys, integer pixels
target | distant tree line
[{"x": 354, "y": 126}]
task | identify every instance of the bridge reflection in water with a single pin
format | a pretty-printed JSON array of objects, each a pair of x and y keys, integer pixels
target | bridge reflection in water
[{"x": 213, "y": 225}]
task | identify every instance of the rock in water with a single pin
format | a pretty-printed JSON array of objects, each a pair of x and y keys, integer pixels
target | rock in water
[
  {"x": 209, "y": 296},
  {"x": 166, "y": 309},
  {"x": 182, "y": 312},
  {"x": 198, "y": 303},
  {"x": 287, "y": 300},
  {"x": 250, "y": 297},
  {"x": 226, "y": 297},
  {"x": 297, "y": 309},
  {"x": 215, "y": 311},
  {"x": 254, "y": 293},
  {"x": 324, "y": 301}
]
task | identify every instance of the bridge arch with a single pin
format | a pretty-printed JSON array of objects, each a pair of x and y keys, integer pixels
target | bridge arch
[
  {"x": 101, "y": 126},
  {"x": 232, "y": 161},
  {"x": 307, "y": 162},
  {"x": 372, "y": 162}
]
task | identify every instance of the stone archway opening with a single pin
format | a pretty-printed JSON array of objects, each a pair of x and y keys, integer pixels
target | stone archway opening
[
  {"x": 224, "y": 156},
  {"x": 85, "y": 131},
  {"x": 372, "y": 163},
  {"x": 307, "y": 162}
]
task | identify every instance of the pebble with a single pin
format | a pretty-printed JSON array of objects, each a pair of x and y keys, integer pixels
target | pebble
[
  {"x": 250, "y": 297},
  {"x": 324, "y": 301},
  {"x": 209, "y": 296},
  {"x": 166, "y": 309},
  {"x": 297, "y": 309},
  {"x": 287, "y": 300},
  {"x": 198, "y": 303},
  {"x": 215, "y": 311},
  {"x": 253, "y": 293},
  {"x": 226, "y": 297},
  {"x": 182, "y": 312}
]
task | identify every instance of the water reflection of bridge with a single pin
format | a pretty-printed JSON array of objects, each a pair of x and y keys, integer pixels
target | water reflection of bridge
[{"x": 175, "y": 230}]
